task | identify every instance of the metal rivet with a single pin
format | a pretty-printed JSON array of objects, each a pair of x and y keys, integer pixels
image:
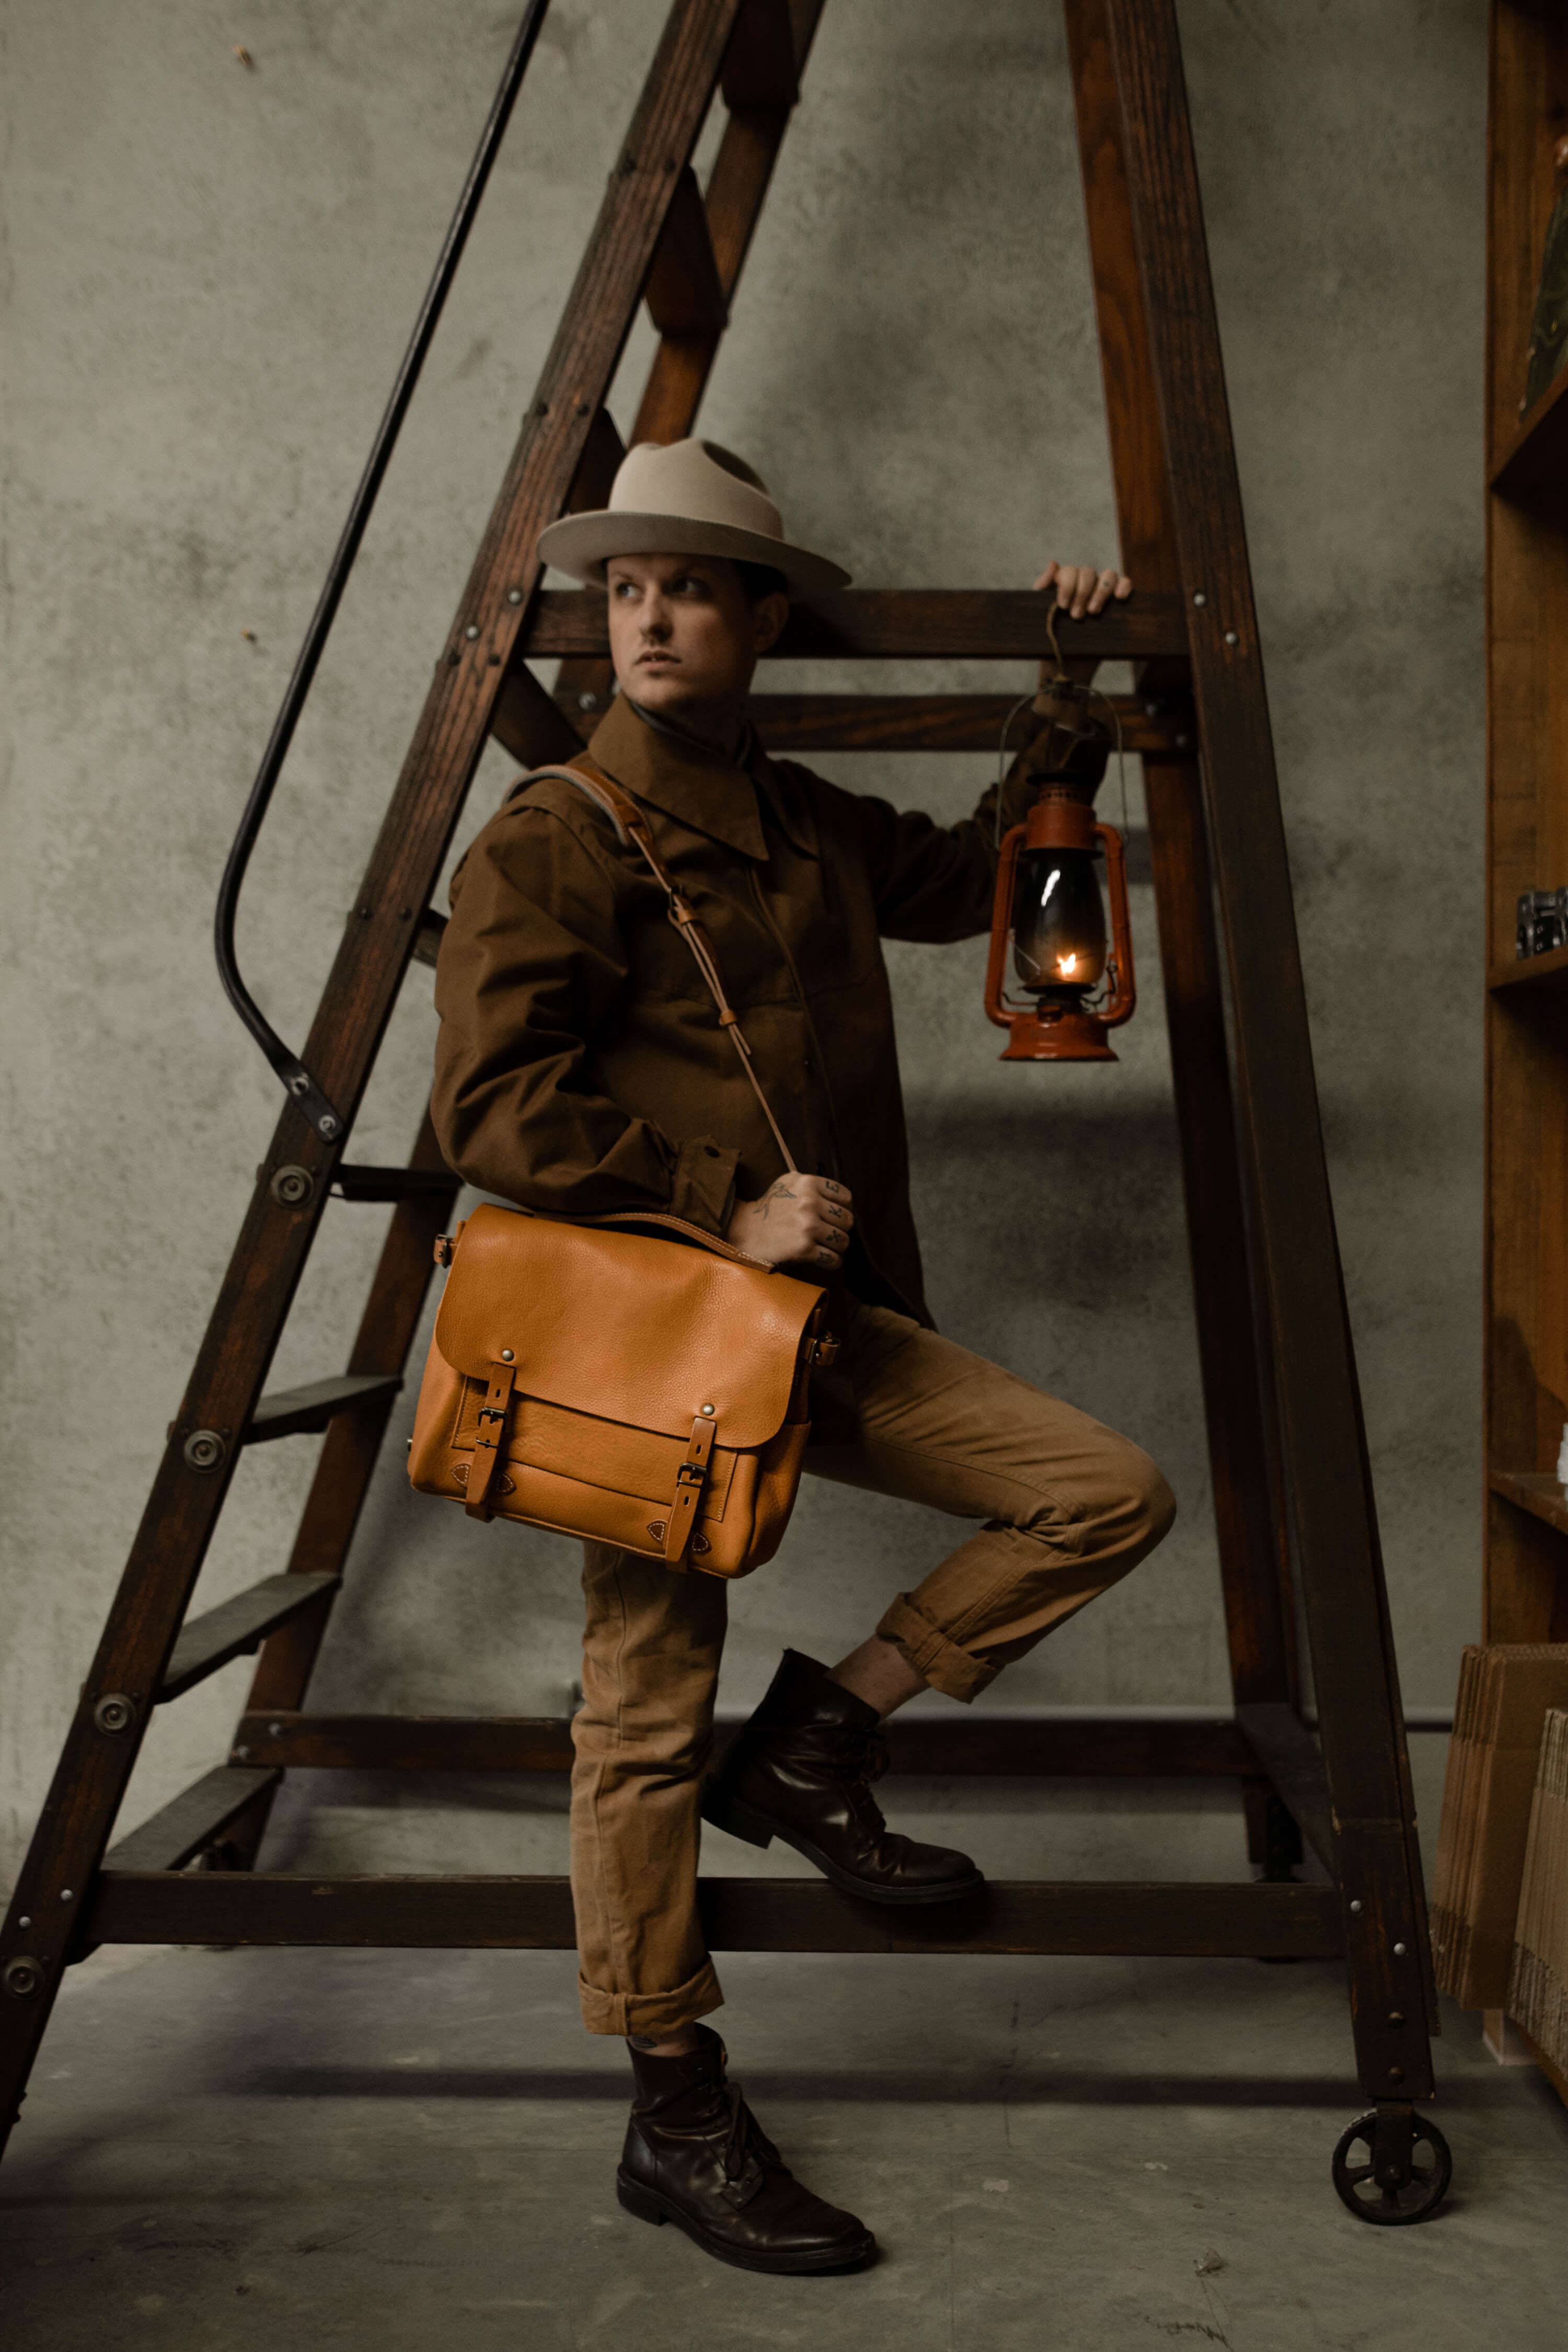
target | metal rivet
[
  {"x": 1397, "y": 2073},
  {"x": 1397, "y": 2017},
  {"x": 1231, "y": 638},
  {"x": 1200, "y": 598},
  {"x": 203, "y": 1449},
  {"x": 514, "y": 595},
  {"x": 506, "y": 1355},
  {"x": 114, "y": 1712},
  {"x": 291, "y": 1187},
  {"x": 22, "y": 1976},
  {"x": 65, "y": 1895},
  {"x": 24, "y": 1923},
  {"x": 275, "y": 1731},
  {"x": 1184, "y": 742},
  {"x": 1399, "y": 1952},
  {"x": 1151, "y": 711},
  {"x": 707, "y": 1408},
  {"x": 587, "y": 702},
  {"x": 242, "y": 1754},
  {"x": 1356, "y": 1904},
  {"x": 472, "y": 630},
  {"x": 327, "y": 1126}
]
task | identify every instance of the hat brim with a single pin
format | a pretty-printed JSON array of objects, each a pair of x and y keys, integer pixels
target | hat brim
[{"x": 581, "y": 544}]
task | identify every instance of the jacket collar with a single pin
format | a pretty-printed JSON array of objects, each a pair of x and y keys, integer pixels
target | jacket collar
[{"x": 699, "y": 784}]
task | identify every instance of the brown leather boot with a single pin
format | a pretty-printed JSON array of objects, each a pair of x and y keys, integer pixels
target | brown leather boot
[
  {"x": 695, "y": 2155},
  {"x": 802, "y": 1769}
]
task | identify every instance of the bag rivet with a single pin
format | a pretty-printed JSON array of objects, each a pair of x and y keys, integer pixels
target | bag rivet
[
  {"x": 506, "y": 1355},
  {"x": 707, "y": 1409}
]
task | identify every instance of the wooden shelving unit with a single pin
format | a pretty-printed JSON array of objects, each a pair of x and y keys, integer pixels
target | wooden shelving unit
[{"x": 1527, "y": 848}]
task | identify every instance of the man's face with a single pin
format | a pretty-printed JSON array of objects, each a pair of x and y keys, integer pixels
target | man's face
[{"x": 684, "y": 639}]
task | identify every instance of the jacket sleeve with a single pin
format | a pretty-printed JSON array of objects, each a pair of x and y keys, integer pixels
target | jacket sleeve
[
  {"x": 938, "y": 883},
  {"x": 532, "y": 967}
]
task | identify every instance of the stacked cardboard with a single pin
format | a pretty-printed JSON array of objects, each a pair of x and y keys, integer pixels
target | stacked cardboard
[
  {"x": 1505, "y": 1692},
  {"x": 1537, "y": 1984}
]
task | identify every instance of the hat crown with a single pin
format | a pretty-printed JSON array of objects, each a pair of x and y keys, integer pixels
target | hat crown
[{"x": 694, "y": 481}]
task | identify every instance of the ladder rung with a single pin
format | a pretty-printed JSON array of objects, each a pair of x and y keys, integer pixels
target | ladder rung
[
  {"x": 760, "y": 64},
  {"x": 788, "y": 723},
  {"x": 236, "y": 1627},
  {"x": 1101, "y": 1746},
  {"x": 364, "y": 1183},
  {"x": 898, "y": 623},
  {"x": 1265, "y": 1920},
  {"x": 428, "y": 938},
  {"x": 683, "y": 293},
  {"x": 290, "y": 1412},
  {"x": 200, "y": 1813}
]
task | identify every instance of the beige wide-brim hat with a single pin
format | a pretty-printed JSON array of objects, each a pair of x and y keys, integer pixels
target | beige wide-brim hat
[{"x": 690, "y": 499}]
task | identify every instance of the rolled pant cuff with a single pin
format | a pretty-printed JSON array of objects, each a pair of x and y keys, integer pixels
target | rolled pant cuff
[
  {"x": 944, "y": 1666},
  {"x": 650, "y": 2012}
]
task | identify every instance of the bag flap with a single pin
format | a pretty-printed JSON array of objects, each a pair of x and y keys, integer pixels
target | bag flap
[{"x": 632, "y": 1330}]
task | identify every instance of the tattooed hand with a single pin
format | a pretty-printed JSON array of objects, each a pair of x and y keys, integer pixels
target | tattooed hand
[{"x": 803, "y": 1221}]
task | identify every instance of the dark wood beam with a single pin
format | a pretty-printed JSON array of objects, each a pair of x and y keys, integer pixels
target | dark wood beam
[{"x": 893, "y": 623}]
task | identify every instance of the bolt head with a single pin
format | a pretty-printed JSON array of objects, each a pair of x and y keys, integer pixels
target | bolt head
[
  {"x": 507, "y": 1357},
  {"x": 1397, "y": 2017},
  {"x": 24, "y": 1923},
  {"x": 1231, "y": 638},
  {"x": 65, "y": 1895},
  {"x": 22, "y": 1976},
  {"x": 291, "y": 1187},
  {"x": 1356, "y": 1904},
  {"x": 203, "y": 1449},
  {"x": 242, "y": 1755},
  {"x": 114, "y": 1712},
  {"x": 275, "y": 1731},
  {"x": 514, "y": 595},
  {"x": 326, "y": 1125},
  {"x": 709, "y": 1411},
  {"x": 1200, "y": 598},
  {"x": 587, "y": 702},
  {"x": 472, "y": 631},
  {"x": 1399, "y": 1950},
  {"x": 1397, "y": 2073}
]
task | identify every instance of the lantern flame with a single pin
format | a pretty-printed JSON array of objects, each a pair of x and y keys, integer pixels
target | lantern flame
[{"x": 1066, "y": 965}]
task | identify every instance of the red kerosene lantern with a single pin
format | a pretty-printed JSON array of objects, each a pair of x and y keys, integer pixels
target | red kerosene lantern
[{"x": 1049, "y": 909}]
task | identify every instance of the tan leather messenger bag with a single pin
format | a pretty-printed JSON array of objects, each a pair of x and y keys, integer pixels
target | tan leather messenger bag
[{"x": 604, "y": 1382}]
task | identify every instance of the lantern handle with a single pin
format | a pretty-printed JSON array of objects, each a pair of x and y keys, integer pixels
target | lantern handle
[{"x": 1123, "y": 1001}]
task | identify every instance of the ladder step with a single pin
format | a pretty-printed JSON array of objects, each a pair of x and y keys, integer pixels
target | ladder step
[
  {"x": 759, "y": 1915},
  {"x": 236, "y": 1627},
  {"x": 366, "y": 1184},
  {"x": 427, "y": 937},
  {"x": 289, "y": 1411},
  {"x": 789, "y": 723},
  {"x": 761, "y": 67},
  {"x": 1108, "y": 1746},
  {"x": 195, "y": 1818},
  {"x": 683, "y": 293}
]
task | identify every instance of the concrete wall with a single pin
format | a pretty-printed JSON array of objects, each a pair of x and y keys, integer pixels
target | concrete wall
[{"x": 210, "y": 272}]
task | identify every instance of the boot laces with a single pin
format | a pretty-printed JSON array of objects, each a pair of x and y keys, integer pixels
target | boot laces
[{"x": 861, "y": 1756}]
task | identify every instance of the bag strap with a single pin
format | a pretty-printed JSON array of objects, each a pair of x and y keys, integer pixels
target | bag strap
[{"x": 632, "y": 825}]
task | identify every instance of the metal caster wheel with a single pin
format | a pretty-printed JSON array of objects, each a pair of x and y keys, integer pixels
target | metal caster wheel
[{"x": 1406, "y": 2169}]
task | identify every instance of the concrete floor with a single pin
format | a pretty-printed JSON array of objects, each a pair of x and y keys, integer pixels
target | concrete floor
[{"x": 281, "y": 2149}]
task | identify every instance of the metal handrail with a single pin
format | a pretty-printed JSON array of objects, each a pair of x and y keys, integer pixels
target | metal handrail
[{"x": 321, "y": 1113}]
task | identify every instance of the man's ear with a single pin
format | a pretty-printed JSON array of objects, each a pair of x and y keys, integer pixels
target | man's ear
[{"x": 769, "y": 614}]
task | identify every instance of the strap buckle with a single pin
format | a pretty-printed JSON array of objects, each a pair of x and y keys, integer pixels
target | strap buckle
[{"x": 689, "y": 1474}]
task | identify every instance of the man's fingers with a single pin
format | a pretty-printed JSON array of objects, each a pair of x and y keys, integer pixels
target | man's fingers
[{"x": 1102, "y": 588}]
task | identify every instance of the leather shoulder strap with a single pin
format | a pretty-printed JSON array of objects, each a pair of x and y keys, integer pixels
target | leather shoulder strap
[{"x": 632, "y": 825}]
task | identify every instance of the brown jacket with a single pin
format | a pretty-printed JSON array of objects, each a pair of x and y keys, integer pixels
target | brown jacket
[{"x": 581, "y": 1066}]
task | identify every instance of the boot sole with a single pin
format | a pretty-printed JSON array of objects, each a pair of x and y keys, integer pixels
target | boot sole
[
  {"x": 742, "y": 1820},
  {"x": 652, "y": 2205}
]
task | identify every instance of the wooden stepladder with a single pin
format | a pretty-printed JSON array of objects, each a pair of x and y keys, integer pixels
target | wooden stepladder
[{"x": 1286, "y": 1439}]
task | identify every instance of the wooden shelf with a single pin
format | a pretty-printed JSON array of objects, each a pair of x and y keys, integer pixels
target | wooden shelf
[
  {"x": 1535, "y": 455},
  {"x": 1535, "y": 1491},
  {"x": 1530, "y": 971}
]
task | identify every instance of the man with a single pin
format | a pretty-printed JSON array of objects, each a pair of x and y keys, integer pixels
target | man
[{"x": 580, "y": 1070}]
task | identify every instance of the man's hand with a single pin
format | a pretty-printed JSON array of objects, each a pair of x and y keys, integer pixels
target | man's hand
[
  {"x": 803, "y": 1221},
  {"x": 1081, "y": 589}
]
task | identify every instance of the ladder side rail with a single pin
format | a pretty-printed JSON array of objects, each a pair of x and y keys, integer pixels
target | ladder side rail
[
  {"x": 187, "y": 1495},
  {"x": 677, "y": 376},
  {"x": 1254, "y": 1564},
  {"x": 1355, "y": 1676}
]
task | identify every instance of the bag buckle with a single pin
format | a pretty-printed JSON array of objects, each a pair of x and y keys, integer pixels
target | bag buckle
[{"x": 690, "y": 1474}]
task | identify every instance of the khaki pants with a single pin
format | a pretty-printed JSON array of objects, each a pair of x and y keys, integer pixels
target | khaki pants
[{"x": 1068, "y": 1507}]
